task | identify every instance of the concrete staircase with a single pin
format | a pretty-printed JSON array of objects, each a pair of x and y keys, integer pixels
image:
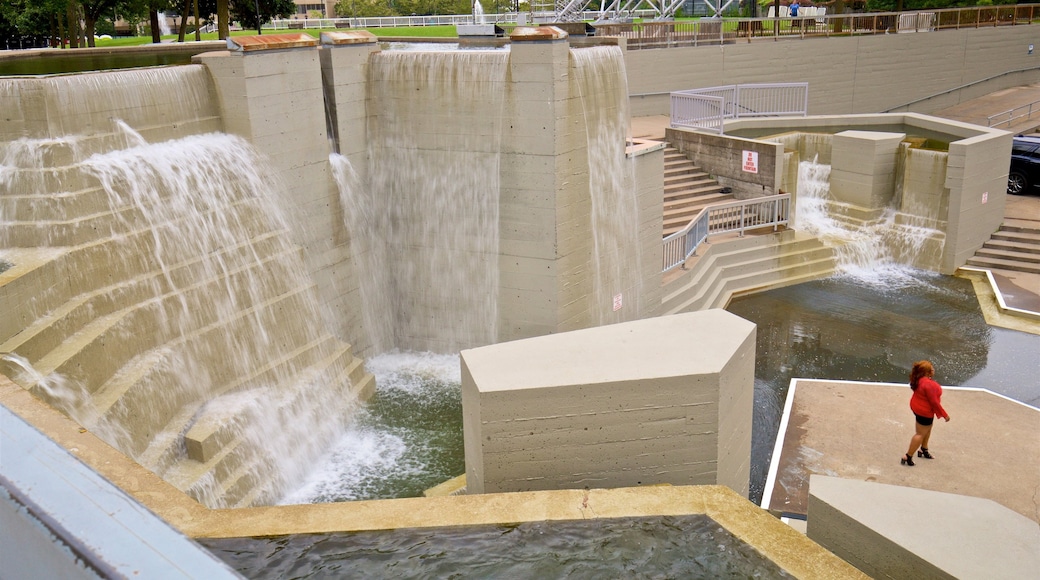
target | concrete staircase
[
  {"x": 753, "y": 263},
  {"x": 1013, "y": 248},
  {"x": 687, "y": 190}
]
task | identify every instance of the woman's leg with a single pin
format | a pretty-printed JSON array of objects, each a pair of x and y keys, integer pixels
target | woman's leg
[
  {"x": 919, "y": 438},
  {"x": 924, "y": 437}
]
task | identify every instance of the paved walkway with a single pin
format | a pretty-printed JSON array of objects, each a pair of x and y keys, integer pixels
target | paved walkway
[
  {"x": 859, "y": 430},
  {"x": 1017, "y": 99}
]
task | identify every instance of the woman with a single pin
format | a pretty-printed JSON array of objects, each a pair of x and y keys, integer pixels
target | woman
[{"x": 926, "y": 407}]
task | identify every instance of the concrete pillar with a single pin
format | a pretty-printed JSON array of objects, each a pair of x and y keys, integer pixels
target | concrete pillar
[
  {"x": 863, "y": 167},
  {"x": 344, "y": 70},
  {"x": 271, "y": 93},
  {"x": 544, "y": 204}
]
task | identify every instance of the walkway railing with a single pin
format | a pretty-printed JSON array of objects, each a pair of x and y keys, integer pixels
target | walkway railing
[
  {"x": 1009, "y": 117},
  {"x": 432, "y": 20},
  {"x": 707, "y": 109},
  {"x": 707, "y": 31},
  {"x": 734, "y": 216}
]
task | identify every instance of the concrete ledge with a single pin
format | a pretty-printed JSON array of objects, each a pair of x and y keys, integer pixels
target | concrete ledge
[
  {"x": 789, "y": 549},
  {"x": 352, "y": 37},
  {"x": 527, "y": 33},
  {"x": 985, "y": 277},
  {"x": 270, "y": 42},
  {"x": 891, "y": 531}
]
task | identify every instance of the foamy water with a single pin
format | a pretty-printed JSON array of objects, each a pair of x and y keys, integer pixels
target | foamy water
[
  {"x": 409, "y": 438},
  {"x": 879, "y": 253}
]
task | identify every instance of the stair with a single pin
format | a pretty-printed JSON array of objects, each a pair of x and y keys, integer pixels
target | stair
[
  {"x": 1010, "y": 249},
  {"x": 687, "y": 190},
  {"x": 746, "y": 265}
]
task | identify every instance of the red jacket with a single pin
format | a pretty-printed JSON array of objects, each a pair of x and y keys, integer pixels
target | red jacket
[{"x": 925, "y": 401}]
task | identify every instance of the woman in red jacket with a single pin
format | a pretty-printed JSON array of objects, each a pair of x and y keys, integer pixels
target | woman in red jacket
[{"x": 925, "y": 403}]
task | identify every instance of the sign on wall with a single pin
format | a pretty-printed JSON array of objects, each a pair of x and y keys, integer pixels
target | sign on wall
[{"x": 750, "y": 161}]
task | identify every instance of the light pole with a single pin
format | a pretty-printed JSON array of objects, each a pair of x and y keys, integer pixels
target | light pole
[{"x": 257, "y": 4}]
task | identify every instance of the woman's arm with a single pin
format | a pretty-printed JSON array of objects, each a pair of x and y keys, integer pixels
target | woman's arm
[{"x": 933, "y": 392}]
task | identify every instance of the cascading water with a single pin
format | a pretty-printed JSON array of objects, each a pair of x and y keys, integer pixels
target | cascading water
[
  {"x": 617, "y": 261},
  {"x": 881, "y": 250},
  {"x": 430, "y": 209},
  {"x": 191, "y": 314},
  {"x": 164, "y": 25}
]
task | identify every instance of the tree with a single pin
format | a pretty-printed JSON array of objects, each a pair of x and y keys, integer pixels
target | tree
[
  {"x": 223, "y": 19},
  {"x": 245, "y": 11},
  {"x": 364, "y": 8},
  {"x": 92, "y": 11}
]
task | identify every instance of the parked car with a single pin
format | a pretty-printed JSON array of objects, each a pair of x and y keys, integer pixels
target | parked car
[{"x": 1024, "y": 174}]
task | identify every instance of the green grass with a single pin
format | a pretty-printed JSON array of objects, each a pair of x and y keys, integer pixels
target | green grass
[{"x": 446, "y": 31}]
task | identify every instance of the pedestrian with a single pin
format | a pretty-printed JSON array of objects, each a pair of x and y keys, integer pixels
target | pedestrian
[
  {"x": 794, "y": 8},
  {"x": 926, "y": 405}
]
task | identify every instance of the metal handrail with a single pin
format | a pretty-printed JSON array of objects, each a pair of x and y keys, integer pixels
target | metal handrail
[
  {"x": 734, "y": 216},
  {"x": 648, "y": 35},
  {"x": 706, "y": 109},
  {"x": 1012, "y": 116}
]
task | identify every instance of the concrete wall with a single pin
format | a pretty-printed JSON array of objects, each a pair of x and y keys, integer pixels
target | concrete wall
[
  {"x": 722, "y": 156},
  {"x": 544, "y": 204},
  {"x": 889, "y": 531},
  {"x": 662, "y": 400},
  {"x": 976, "y": 174},
  {"x": 853, "y": 74},
  {"x": 863, "y": 167},
  {"x": 274, "y": 99}
]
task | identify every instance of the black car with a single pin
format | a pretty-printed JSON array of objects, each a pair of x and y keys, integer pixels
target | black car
[{"x": 1024, "y": 174}]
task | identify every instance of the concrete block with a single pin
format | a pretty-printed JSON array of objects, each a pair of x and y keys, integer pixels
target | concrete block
[
  {"x": 618, "y": 405},
  {"x": 889, "y": 531}
]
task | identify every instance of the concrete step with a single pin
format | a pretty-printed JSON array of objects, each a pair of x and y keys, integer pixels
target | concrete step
[
  {"x": 1021, "y": 229},
  {"x": 1013, "y": 246},
  {"x": 217, "y": 448},
  {"x": 1028, "y": 257},
  {"x": 48, "y": 331},
  {"x": 701, "y": 199},
  {"x": 1017, "y": 235},
  {"x": 53, "y": 206},
  {"x": 103, "y": 346},
  {"x": 1001, "y": 264},
  {"x": 747, "y": 264}
]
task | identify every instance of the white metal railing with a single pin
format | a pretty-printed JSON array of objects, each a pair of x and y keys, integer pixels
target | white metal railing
[
  {"x": 1010, "y": 116},
  {"x": 734, "y": 216},
  {"x": 707, "y": 109},
  {"x": 433, "y": 20}
]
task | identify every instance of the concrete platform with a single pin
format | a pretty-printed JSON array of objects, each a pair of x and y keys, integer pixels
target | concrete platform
[
  {"x": 891, "y": 531},
  {"x": 858, "y": 431}
]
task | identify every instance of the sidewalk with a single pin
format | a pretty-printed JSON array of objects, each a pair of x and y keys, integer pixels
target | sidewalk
[{"x": 972, "y": 451}]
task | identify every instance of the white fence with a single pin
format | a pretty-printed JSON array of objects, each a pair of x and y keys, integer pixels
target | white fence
[
  {"x": 707, "y": 109},
  {"x": 734, "y": 216}
]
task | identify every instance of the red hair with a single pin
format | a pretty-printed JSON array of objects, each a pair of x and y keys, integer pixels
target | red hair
[{"x": 922, "y": 368}]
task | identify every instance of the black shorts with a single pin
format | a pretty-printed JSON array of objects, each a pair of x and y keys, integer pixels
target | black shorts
[{"x": 926, "y": 421}]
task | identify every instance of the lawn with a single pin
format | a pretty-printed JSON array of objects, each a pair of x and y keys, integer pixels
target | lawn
[{"x": 446, "y": 31}]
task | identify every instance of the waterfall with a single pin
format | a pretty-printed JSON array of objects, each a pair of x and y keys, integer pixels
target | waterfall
[
  {"x": 616, "y": 257},
  {"x": 164, "y": 25},
  {"x": 190, "y": 335},
  {"x": 886, "y": 249},
  {"x": 431, "y": 207}
]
